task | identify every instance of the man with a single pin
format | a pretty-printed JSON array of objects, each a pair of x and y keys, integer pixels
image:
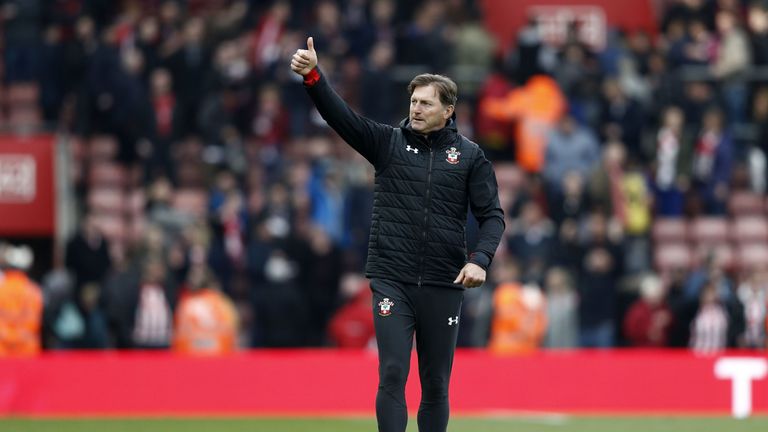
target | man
[
  {"x": 21, "y": 304},
  {"x": 426, "y": 176}
]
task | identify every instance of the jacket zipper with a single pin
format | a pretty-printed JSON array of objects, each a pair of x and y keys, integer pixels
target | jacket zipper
[{"x": 426, "y": 212}]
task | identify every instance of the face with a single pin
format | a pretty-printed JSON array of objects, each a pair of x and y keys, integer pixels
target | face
[{"x": 427, "y": 114}]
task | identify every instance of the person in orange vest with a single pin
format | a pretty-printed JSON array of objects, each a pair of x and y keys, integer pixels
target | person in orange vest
[
  {"x": 206, "y": 320},
  {"x": 536, "y": 107},
  {"x": 519, "y": 319},
  {"x": 21, "y": 304}
]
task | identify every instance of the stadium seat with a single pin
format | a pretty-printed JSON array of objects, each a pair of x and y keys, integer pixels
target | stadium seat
[
  {"x": 509, "y": 175},
  {"x": 723, "y": 251},
  {"x": 708, "y": 230},
  {"x": 136, "y": 228},
  {"x": 25, "y": 118},
  {"x": 752, "y": 255},
  {"x": 137, "y": 200},
  {"x": 749, "y": 229},
  {"x": 666, "y": 230},
  {"x": 112, "y": 226},
  {"x": 106, "y": 200},
  {"x": 191, "y": 201},
  {"x": 745, "y": 203},
  {"x": 102, "y": 148},
  {"x": 22, "y": 94},
  {"x": 672, "y": 256},
  {"x": 107, "y": 174}
]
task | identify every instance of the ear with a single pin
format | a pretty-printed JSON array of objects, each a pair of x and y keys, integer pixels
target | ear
[{"x": 448, "y": 112}]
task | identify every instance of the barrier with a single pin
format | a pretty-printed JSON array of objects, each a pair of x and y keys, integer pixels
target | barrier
[{"x": 303, "y": 382}]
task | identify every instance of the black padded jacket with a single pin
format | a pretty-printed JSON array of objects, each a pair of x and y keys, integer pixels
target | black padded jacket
[{"x": 423, "y": 187}]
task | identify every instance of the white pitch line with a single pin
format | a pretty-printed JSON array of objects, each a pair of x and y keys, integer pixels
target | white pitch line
[{"x": 536, "y": 417}]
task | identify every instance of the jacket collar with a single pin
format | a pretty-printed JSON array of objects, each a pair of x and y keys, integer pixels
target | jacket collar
[{"x": 436, "y": 139}]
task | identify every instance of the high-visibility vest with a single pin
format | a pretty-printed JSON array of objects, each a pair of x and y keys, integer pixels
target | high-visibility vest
[
  {"x": 205, "y": 323},
  {"x": 21, "y": 310}
]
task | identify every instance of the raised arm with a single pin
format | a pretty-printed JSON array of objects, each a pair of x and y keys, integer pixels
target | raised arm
[{"x": 367, "y": 137}]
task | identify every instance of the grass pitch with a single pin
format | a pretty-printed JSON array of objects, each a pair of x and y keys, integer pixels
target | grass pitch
[{"x": 459, "y": 424}]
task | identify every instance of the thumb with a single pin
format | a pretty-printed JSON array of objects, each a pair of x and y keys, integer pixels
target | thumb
[
  {"x": 310, "y": 44},
  {"x": 460, "y": 277}
]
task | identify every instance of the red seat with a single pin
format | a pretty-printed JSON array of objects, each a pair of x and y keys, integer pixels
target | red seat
[
  {"x": 25, "y": 118},
  {"x": 745, "y": 203},
  {"x": 23, "y": 94},
  {"x": 666, "y": 230},
  {"x": 752, "y": 256},
  {"x": 137, "y": 201},
  {"x": 112, "y": 226},
  {"x": 103, "y": 148},
  {"x": 723, "y": 252},
  {"x": 749, "y": 229},
  {"x": 107, "y": 174},
  {"x": 668, "y": 257},
  {"x": 708, "y": 230},
  {"x": 106, "y": 200}
]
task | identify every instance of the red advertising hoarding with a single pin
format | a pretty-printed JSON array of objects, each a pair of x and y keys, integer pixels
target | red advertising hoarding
[
  {"x": 304, "y": 382},
  {"x": 27, "y": 192},
  {"x": 593, "y": 18}
]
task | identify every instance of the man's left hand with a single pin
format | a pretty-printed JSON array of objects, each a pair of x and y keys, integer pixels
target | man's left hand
[{"x": 471, "y": 276}]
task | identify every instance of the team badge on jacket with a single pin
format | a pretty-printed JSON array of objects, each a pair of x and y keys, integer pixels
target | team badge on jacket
[
  {"x": 453, "y": 155},
  {"x": 385, "y": 307}
]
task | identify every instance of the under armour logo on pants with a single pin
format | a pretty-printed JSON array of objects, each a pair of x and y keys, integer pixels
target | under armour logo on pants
[{"x": 453, "y": 320}]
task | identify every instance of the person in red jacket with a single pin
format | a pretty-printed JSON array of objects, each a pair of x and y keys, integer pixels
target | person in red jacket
[{"x": 649, "y": 320}]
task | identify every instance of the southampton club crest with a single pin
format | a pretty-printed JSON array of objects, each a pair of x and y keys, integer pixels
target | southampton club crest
[
  {"x": 453, "y": 156},
  {"x": 385, "y": 307}
]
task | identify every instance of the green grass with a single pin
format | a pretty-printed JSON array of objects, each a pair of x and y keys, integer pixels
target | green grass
[{"x": 459, "y": 424}]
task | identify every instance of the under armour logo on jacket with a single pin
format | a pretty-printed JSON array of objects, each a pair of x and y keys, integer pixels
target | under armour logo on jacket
[
  {"x": 453, "y": 320},
  {"x": 413, "y": 149}
]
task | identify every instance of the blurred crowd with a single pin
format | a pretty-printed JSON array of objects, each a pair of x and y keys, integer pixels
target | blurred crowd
[{"x": 216, "y": 209}]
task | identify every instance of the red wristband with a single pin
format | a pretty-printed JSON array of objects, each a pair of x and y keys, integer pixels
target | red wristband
[{"x": 312, "y": 77}]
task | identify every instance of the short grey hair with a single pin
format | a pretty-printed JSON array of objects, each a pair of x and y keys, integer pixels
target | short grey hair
[{"x": 447, "y": 90}]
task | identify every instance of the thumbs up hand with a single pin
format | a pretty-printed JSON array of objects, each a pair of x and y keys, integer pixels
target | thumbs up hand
[{"x": 303, "y": 61}]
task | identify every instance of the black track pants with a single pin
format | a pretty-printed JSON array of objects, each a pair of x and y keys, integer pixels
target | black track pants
[{"x": 432, "y": 313}]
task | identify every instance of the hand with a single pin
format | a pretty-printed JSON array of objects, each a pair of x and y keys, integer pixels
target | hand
[
  {"x": 471, "y": 276},
  {"x": 304, "y": 60}
]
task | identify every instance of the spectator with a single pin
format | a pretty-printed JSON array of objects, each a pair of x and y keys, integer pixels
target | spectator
[
  {"x": 352, "y": 325},
  {"x": 712, "y": 162},
  {"x": 165, "y": 124},
  {"x": 671, "y": 177},
  {"x": 88, "y": 258},
  {"x": 562, "y": 310},
  {"x": 205, "y": 320},
  {"x": 753, "y": 294},
  {"x": 532, "y": 241},
  {"x": 21, "y": 301},
  {"x": 758, "y": 28},
  {"x": 519, "y": 320},
  {"x": 709, "y": 329},
  {"x": 599, "y": 269},
  {"x": 378, "y": 93},
  {"x": 570, "y": 147},
  {"x": 21, "y": 37},
  {"x": 189, "y": 64},
  {"x": 622, "y": 117},
  {"x": 649, "y": 319},
  {"x": 730, "y": 64},
  {"x": 153, "y": 304}
]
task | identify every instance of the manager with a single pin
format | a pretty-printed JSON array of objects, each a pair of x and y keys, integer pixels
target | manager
[{"x": 427, "y": 175}]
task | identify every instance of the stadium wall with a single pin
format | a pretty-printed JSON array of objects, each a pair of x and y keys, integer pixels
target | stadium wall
[{"x": 319, "y": 382}]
